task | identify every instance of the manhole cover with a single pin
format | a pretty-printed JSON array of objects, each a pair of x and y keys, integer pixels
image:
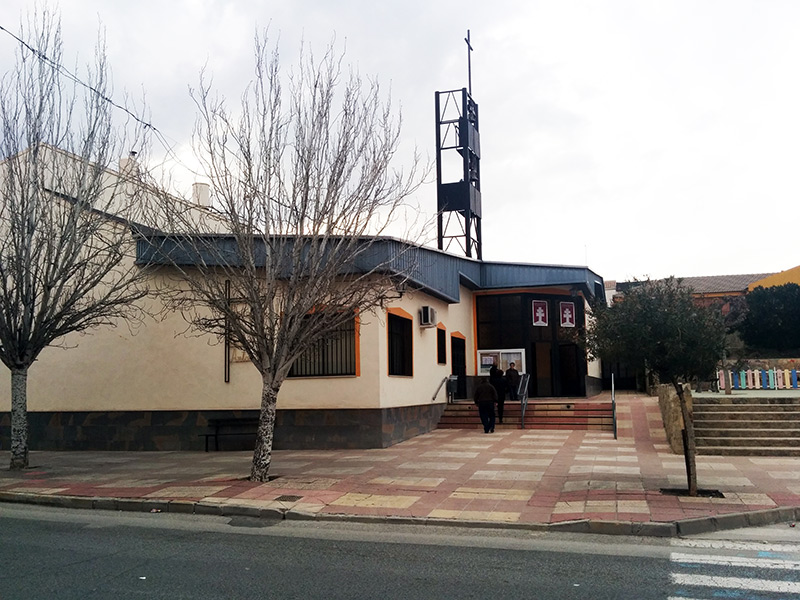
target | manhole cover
[{"x": 288, "y": 498}]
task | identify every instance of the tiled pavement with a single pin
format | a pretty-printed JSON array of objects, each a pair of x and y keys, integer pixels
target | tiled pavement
[{"x": 525, "y": 477}]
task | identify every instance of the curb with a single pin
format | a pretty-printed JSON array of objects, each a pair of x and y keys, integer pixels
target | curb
[{"x": 629, "y": 528}]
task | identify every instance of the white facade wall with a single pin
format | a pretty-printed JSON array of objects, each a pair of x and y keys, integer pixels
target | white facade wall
[{"x": 161, "y": 366}]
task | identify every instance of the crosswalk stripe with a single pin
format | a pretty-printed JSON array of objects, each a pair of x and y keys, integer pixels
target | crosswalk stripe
[
  {"x": 730, "y": 545},
  {"x": 740, "y": 583},
  {"x": 736, "y": 561}
]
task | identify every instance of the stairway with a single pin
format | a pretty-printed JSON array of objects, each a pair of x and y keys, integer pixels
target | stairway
[
  {"x": 747, "y": 426},
  {"x": 544, "y": 413}
]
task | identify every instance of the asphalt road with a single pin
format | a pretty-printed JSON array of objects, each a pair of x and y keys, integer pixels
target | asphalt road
[{"x": 54, "y": 553}]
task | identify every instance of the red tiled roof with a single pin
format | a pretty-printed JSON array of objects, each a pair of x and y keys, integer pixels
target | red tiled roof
[{"x": 720, "y": 284}]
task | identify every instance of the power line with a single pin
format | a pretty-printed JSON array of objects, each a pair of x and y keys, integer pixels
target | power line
[
  {"x": 74, "y": 78},
  {"x": 67, "y": 73}
]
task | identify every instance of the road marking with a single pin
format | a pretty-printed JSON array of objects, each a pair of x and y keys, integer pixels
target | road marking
[
  {"x": 738, "y": 583},
  {"x": 736, "y": 561},
  {"x": 728, "y": 545}
]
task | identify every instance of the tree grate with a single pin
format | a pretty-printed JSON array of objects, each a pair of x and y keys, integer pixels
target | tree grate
[{"x": 685, "y": 492}]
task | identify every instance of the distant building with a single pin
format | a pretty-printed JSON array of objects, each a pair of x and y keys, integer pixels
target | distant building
[
  {"x": 789, "y": 276},
  {"x": 718, "y": 289}
]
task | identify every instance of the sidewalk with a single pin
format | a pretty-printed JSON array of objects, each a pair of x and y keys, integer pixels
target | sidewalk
[{"x": 565, "y": 480}]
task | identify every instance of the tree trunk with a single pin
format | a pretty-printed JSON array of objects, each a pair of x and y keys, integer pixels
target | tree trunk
[
  {"x": 689, "y": 448},
  {"x": 262, "y": 455},
  {"x": 19, "y": 419},
  {"x": 727, "y": 377}
]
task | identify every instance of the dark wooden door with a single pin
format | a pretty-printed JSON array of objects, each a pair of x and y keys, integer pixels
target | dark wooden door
[
  {"x": 458, "y": 358},
  {"x": 569, "y": 370}
]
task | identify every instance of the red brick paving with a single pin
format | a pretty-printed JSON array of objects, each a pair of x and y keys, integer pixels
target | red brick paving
[{"x": 581, "y": 471}]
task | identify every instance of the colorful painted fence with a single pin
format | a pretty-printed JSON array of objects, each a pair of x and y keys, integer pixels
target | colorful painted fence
[{"x": 759, "y": 379}]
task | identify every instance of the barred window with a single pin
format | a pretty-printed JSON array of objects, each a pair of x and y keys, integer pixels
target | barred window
[{"x": 333, "y": 355}]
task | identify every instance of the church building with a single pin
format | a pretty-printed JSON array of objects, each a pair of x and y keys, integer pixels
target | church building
[{"x": 380, "y": 382}]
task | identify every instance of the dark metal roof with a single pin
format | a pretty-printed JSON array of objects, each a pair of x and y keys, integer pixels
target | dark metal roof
[{"x": 433, "y": 271}]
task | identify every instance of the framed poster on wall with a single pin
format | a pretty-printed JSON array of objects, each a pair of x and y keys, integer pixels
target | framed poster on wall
[{"x": 503, "y": 358}]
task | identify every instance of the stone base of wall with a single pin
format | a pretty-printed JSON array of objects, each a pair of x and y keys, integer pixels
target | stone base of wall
[
  {"x": 182, "y": 430},
  {"x": 764, "y": 363},
  {"x": 671, "y": 414}
]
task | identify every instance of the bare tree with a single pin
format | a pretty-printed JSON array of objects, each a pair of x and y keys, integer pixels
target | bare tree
[
  {"x": 302, "y": 185},
  {"x": 66, "y": 261}
]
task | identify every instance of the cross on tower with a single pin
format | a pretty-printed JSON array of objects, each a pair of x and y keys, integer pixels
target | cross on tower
[{"x": 469, "y": 63}]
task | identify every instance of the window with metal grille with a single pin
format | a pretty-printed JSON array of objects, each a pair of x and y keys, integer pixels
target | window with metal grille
[
  {"x": 331, "y": 356},
  {"x": 400, "y": 345}
]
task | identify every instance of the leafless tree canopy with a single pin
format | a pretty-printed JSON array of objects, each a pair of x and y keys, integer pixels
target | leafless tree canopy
[
  {"x": 302, "y": 182},
  {"x": 66, "y": 261}
]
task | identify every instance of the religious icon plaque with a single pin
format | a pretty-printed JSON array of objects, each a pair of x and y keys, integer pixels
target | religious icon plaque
[
  {"x": 541, "y": 318},
  {"x": 567, "y": 311}
]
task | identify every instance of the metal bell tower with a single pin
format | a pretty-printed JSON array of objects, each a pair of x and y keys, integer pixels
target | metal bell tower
[{"x": 458, "y": 169}]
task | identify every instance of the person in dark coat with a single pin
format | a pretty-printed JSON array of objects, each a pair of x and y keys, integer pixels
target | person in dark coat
[
  {"x": 512, "y": 378},
  {"x": 485, "y": 397},
  {"x": 498, "y": 382}
]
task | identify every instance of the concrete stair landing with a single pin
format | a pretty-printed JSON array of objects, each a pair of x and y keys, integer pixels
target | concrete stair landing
[
  {"x": 545, "y": 413},
  {"x": 757, "y": 425}
]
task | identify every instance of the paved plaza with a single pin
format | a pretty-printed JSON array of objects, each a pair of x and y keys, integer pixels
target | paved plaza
[{"x": 524, "y": 477}]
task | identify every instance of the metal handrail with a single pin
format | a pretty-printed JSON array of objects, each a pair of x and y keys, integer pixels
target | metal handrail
[
  {"x": 436, "y": 393},
  {"x": 614, "y": 406},
  {"x": 522, "y": 394}
]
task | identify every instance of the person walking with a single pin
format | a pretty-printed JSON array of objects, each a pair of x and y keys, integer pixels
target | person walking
[
  {"x": 512, "y": 378},
  {"x": 498, "y": 382},
  {"x": 485, "y": 398}
]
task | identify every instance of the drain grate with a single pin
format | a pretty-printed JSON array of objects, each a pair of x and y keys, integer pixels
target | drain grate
[{"x": 288, "y": 498}]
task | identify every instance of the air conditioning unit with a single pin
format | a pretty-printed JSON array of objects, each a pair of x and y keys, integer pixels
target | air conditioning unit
[{"x": 427, "y": 316}]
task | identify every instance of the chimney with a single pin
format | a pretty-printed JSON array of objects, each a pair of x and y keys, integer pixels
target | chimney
[
  {"x": 201, "y": 194},
  {"x": 128, "y": 165}
]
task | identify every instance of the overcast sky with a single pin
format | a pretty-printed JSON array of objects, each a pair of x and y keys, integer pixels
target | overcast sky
[{"x": 637, "y": 138}]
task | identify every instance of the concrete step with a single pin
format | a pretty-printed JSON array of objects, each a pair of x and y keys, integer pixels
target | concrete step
[
  {"x": 753, "y": 432},
  {"x": 568, "y": 414},
  {"x": 754, "y": 416},
  {"x": 477, "y": 425},
  {"x": 743, "y": 441},
  {"x": 748, "y": 451},
  {"x": 755, "y": 407},
  {"x": 762, "y": 425},
  {"x": 703, "y": 424}
]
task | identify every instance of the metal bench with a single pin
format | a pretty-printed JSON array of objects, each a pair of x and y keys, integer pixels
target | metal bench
[{"x": 228, "y": 427}]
